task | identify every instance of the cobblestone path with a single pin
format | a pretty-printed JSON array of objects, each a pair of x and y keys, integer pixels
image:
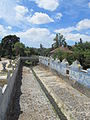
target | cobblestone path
[{"x": 30, "y": 102}]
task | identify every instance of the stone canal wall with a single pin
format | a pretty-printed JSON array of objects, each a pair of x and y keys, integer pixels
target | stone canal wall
[{"x": 74, "y": 71}]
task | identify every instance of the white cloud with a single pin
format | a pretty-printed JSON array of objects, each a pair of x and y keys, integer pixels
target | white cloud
[
  {"x": 48, "y": 4},
  {"x": 40, "y": 18},
  {"x": 89, "y": 4},
  {"x": 3, "y": 31},
  {"x": 21, "y": 9},
  {"x": 13, "y": 14},
  {"x": 76, "y": 37},
  {"x": 32, "y": 37},
  {"x": 9, "y": 28},
  {"x": 58, "y": 16},
  {"x": 35, "y": 36},
  {"x": 67, "y": 32},
  {"x": 7, "y": 11},
  {"x": 83, "y": 24}
]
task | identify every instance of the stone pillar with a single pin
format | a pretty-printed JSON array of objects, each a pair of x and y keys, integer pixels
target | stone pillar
[
  {"x": 75, "y": 70},
  {"x": 64, "y": 66}
]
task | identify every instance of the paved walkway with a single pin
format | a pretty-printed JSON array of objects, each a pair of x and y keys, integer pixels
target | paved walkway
[
  {"x": 74, "y": 105},
  {"x": 30, "y": 102}
]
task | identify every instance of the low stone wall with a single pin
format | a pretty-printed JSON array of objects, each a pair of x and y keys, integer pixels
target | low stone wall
[
  {"x": 7, "y": 91},
  {"x": 74, "y": 71}
]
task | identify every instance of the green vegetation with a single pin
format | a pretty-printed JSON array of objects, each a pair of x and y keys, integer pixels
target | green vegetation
[
  {"x": 11, "y": 47},
  {"x": 7, "y": 45},
  {"x": 81, "y": 52}
]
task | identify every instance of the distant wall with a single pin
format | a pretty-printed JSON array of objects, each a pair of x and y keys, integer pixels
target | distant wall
[
  {"x": 7, "y": 91},
  {"x": 74, "y": 71}
]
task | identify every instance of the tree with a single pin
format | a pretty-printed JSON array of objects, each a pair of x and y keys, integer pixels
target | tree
[
  {"x": 41, "y": 46},
  {"x": 82, "y": 54},
  {"x": 41, "y": 50},
  {"x": 80, "y": 41},
  {"x": 8, "y": 43},
  {"x": 59, "y": 41},
  {"x": 56, "y": 41},
  {"x": 27, "y": 51},
  {"x": 19, "y": 49}
]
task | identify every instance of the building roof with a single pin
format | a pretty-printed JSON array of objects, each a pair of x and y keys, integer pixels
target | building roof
[{"x": 64, "y": 49}]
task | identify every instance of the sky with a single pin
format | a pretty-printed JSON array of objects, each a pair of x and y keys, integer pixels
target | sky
[{"x": 37, "y": 21}]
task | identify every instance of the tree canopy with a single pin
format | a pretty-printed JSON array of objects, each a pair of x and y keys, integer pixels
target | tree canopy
[
  {"x": 81, "y": 52},
  {"x": 7, "y": 44}
]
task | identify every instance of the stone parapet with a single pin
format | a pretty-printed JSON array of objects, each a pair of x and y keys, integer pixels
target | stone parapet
[
  {"x": 7, "y": 89},
  {"x": 74, "y": 71}
]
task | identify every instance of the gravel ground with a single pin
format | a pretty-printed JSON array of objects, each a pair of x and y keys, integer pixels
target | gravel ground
[{"x": 30, "y": 101}]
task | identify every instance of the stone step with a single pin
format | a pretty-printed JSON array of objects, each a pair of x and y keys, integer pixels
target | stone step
[{"x": 73, "y": 104}]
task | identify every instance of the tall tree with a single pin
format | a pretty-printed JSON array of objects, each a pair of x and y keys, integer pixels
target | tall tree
[
  {"x": 41, "y": 46},
  {"x": 8, "y": 43},
  {"x": 59, "y": 41},
  {"x": 80, "y": 41},
  {"x": 56, "y": 41}
]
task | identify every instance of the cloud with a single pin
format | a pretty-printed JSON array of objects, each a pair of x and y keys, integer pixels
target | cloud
[
  {"x": 40, "y": 18},
  {"x": 32, "y": 37},
  {"x": 83, "y": 24},
  {"x": 76, "y": 37},
  {"x": 35, "y": 36},
  {"x": 21, "y": 9},
  {"x": 3, "y": 31},
  {"x": 58, "y": 16},
  {"x": 67, "y": 32},
  {"x": 7, "y": 11},
  {"x": 47, "y": 4},
  {"x": 89, "y": 4},
  {"x": 9, "y": 28},
  {"x": 13, "y": 14}
]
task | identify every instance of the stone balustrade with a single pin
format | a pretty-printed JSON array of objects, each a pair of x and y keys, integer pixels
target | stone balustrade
[{"x": 74, "y": 71}]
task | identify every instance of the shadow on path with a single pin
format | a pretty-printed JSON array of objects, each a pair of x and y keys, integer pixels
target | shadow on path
[{"x": 15, "y": 111}]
